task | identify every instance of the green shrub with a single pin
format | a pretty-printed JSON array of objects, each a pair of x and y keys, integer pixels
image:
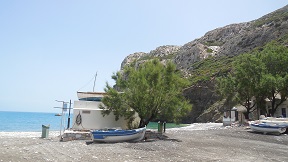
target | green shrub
[
  {"x": 209, "y": 68},
  {"x": 209, "y": 50},
  {"x": 273, "y": 18},
  {"x": 214, "y": 43}
]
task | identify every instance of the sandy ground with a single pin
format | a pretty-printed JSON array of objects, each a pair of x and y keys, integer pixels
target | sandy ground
[{"x": 197, "y": 142}]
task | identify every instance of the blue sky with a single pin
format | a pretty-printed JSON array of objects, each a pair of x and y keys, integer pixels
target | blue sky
[{"x": 51, "y": 49}]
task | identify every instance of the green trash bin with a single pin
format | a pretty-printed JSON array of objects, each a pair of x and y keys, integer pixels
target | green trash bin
[
  {"x": 160, "y": 127},
  {"x": 45, "y": 131}
]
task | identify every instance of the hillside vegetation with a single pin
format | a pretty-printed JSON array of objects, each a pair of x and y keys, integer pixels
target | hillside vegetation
[{"x": 203, "y": 60}]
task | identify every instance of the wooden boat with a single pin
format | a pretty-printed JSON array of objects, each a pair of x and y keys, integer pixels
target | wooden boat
[
  {"x": 280, "y": 121},
  {"x": 90, "y": 96},
  {"x": 267, "y": 127},
  {"x": 116, "y": 135}
]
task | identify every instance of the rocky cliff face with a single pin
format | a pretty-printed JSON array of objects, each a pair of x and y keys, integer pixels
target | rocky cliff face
[
  {"x": 230, "y": 40},
  {"x": 164, "y": 52},
  {"x": 212, "y": 44}
]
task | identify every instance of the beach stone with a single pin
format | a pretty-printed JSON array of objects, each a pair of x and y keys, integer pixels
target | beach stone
[{"x": 196, "y": 142}]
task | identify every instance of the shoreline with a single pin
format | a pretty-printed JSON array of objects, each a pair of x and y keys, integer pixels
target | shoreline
[{"x": 54, "y": 134}]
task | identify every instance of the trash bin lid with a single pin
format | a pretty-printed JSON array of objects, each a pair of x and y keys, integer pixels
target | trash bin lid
[{"x": 45, "y": 126}]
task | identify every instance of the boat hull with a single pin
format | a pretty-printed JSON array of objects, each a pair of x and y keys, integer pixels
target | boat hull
[
  {"x": 90, "y": 96},
  {"x": 267, "y": 128},
  {"x": 279, "y": 121},
  {"x": 118, "y": 135}
]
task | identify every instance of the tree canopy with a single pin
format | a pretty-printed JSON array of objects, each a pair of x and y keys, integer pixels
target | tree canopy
[
  {"x": 275, "y": 80},
  {"x": 261, "y": 74},
  {"x": 243, "y": 81},
  {"x": 151, "y": 89}
]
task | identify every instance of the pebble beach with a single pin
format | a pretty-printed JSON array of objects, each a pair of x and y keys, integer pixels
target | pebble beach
[{"x": 196, "y": 142}]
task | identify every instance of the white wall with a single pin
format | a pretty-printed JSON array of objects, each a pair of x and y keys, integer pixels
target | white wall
[
  {"x": 92, "y": 117},
  {"x": 279, "y": 109},
  {"x": 93, "y": 105}
]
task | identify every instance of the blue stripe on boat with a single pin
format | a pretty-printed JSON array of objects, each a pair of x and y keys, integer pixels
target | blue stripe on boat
[
  {"x": 101, "y": 134},
  {"x": 269, "y": 126}
]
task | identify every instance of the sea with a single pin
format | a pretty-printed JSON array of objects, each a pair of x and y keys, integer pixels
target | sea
[{"x": 32, "y": 121}]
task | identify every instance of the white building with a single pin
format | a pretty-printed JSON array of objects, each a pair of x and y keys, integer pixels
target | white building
[
  {"x": 282, "y": 109},
  {"x": 87, "y": 113}
]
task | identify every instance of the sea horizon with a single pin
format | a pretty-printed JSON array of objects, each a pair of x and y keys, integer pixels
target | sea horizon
[{"x": 17, "y": 121}]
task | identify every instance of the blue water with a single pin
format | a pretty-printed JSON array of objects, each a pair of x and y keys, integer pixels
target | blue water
[{"x": 29, "y": 121}]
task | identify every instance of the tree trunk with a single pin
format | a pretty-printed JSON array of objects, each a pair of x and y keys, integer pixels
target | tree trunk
[
  {"x": 273, "y": 110},
  {"x": 246, "y": 115},
  {"x": 273, "y": 102},
  {"x": 143, "y": 123}
]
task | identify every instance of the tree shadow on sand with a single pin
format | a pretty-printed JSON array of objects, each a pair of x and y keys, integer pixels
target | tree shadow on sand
[{"x": 151, "y": 136}]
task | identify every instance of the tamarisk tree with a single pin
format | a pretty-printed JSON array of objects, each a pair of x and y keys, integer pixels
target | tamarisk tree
[
  {"x": 275, "y": 80},
  {"x": 243, "y": 82},
  {"x": 262, "y": 74},
  {"x": 152, "y": 90}
]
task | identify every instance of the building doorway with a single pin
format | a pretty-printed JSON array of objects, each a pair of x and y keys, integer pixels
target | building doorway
[{"x": 284, "y": 112}]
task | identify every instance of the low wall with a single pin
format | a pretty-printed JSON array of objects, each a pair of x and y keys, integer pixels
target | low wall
[{"x": 70, "y": 135}]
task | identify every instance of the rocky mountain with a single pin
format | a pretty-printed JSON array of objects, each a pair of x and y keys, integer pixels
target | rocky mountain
[
  {"x": 164, "y": 52},
  {"x": 228, "y": 41}
]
